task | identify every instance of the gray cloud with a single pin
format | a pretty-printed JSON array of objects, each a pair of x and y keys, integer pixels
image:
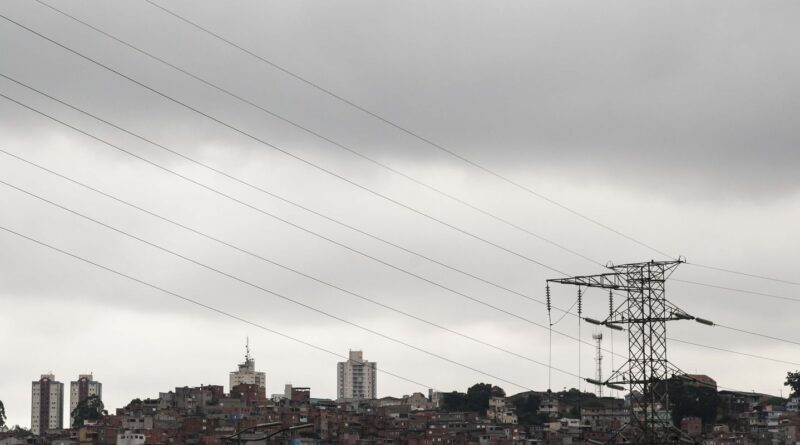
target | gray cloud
[{"x": 673, "y": 123}]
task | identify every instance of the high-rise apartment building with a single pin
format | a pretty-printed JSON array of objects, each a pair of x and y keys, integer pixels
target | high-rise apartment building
[
  {"x": 247, "y": 372},
  {"x": 357, "y": 378},
  {"x": 81, "y": 390},
  {"x": 47, "y": 405}
]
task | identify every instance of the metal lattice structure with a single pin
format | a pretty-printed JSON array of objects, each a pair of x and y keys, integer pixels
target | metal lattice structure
[
  {"x": 598, "y": 360},
  {"x": 646, "y": 312}
]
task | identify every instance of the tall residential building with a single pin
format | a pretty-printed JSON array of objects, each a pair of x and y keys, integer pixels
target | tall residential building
[
  {"x": 47, "y": 405},
  {"x": 80, "y": 390},
  {"x": 247, "y": 372},
  {"x": 357, "y": 378}
]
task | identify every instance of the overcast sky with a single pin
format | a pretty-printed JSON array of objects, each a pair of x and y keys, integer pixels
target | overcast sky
[{"x": 674, "y": 123}]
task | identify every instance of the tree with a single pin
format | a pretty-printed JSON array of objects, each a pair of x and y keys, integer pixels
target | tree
[
  {"x": 691, "y": 400},
  {"x": 20, "y": 432},
  {"x": 454, "y": 401},
  {"x": 476, "y": 398},
  {"x": 528, "y": 410},
  {"x": 90, "y": 408},
  {"x": 2, "y": 415},
  {"x": 793, "y": 381}
]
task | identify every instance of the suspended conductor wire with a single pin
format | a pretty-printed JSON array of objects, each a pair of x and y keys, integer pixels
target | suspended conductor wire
[
  {"x": 290, "y": 154},
  {"x": 580, "y": 380},
  {"x": 267, "y": 260},
  {"x": 210, "y": 117},
  {"x": 438, "y": 146},
  {"x": 580, "y": 322},
  {"x": 200, "y": 304},
  {"x": 371, "y": 160},
  {"x": 306, "y": 230},
  {"x": 325, "y": 138},
  {"x": 745, "y": 274},
  {"x": 550, "y": 339},
  {"x": 261, "y": 288},
  {"x": 258, "y": 188},
  {"x": 565, "y": 313},
  {"x": 98, "y": 62},
  {"x": 408, "y": 131}
]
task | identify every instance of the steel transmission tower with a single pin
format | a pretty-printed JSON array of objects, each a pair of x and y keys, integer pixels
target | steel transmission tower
[{"x": 646, "y": 312}]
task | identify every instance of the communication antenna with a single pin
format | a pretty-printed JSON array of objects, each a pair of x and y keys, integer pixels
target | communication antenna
[{"x": 598, "y": 358}]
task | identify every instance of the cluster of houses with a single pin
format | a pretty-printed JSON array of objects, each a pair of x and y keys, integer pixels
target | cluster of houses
[{"x": 206, "y": 415}]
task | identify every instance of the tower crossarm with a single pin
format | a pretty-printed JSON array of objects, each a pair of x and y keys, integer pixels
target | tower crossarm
[{"x": 611, "y": 280}]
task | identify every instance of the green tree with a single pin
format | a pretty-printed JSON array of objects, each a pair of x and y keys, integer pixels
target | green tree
[
  {"x": 478, "y": 396},
  {"x": 692, "y": 400},
  {"x": 90, "y": 408},
  {"x": 528, "y": 410},
  {"x": 793, "y": 381},
  {"x": 2, "y": 415},
  {"x": 20, "y": 432},
  {"x": 454, "y": 401}
]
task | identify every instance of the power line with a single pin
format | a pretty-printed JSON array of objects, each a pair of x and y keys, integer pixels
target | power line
[
  {"x": 745, "y": 274},
  {"x": 741, "y": 291},
  {"x": 265, "y": 191},
  {"x": 440, "y": 147},
  {"x": 297, "y": 226},
  {"x": 311, "y": 232},
  {"x": 263, "y": 289},
  {"x": 760, "y": 357},
  {"x": 323, "y": 137},
  {"x": 270, "y": 261},
  {"x": 445, "y": 223},
  {"x": 744, "y": 331},
  {"x": 212, "y": 308},
  {"x": 337, "y": 144},
  {"x": 407, "y": 131},
  {"x": 307, "y": 276},
  {"x": 287, "y": 153},
  {"x": 198, "y": 303}
]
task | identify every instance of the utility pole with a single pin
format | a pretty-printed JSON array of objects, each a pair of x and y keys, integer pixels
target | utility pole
[
  {"x": 598, "y": 358},
  {"x": 646, "y": 312}
]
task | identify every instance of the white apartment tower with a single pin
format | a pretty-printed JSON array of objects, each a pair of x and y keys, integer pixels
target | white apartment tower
[
  {"x": 47, "y": 405},
  {"x": 82, "y": 389},
  {"x": 247, "y": 372},
  {"x": 357, "y": 378}
]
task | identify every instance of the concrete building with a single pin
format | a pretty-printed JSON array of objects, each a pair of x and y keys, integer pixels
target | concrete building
[
  {"x": 82, "y": 389},
  {"x": 247, "y": 372},
  {"x": 357, "y": 379},
  {"x": 47, "y": 405},
  {"x": 499, "y": 411}
]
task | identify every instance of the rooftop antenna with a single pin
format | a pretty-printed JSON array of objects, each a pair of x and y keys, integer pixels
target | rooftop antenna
[{"x": 247, "y": 349}]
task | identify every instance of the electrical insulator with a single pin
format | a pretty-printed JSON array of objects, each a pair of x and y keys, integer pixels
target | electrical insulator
[
  {"x": 580, "y": 303},
  {"x": 610, "y": 303},
  {"x": 547, "y": 294}
]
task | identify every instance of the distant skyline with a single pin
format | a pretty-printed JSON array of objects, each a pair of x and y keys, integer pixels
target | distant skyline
[{"x": 674, "y": 124}]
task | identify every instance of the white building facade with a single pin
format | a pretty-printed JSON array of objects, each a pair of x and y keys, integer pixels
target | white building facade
[
  {"x": 47, "y": 405},
  {"x": 357, "y": 379},
  {"x": 247, "y": 373},
  {"x": 82, "y": 389}
]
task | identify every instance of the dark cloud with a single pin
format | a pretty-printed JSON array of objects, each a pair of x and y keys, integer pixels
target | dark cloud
[{"x": 674, "y": 123}]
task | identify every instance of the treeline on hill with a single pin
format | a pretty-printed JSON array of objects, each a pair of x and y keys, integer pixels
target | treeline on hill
[
  {"x": 687, "y": 399},
  {"x": 526, "y": 404},
  {"x": 476, "y": 398}
]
